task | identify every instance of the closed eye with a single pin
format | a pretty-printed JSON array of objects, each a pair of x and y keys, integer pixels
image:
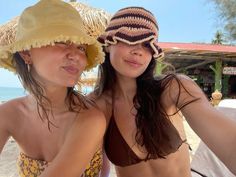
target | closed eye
[
  {"x": 146, "y": 44},
  {"x": 82, "y": 48}
]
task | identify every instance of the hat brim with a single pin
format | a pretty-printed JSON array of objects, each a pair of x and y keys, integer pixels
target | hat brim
[
  {"x": 49, "y": 37},
  {"x": 107, "y": 40}
]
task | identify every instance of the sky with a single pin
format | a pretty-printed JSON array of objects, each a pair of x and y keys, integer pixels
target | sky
[{"x": 182, "y": 21}]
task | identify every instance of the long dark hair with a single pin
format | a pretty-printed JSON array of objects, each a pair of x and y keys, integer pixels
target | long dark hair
[
  {"x": 154, "y": 129},
  {"x": 74, "y": 99}
]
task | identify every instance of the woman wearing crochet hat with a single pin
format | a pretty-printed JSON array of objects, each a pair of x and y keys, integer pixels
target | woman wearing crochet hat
[
  {"x": 57, "y": 129},
  {"x": 145, "y": 135}
]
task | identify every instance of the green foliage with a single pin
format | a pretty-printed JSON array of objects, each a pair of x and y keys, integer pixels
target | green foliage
[{"x": 227, "y": 12}]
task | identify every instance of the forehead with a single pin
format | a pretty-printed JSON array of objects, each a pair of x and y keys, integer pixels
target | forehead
[
  {"x": 70, "y": 43},
  {"x": 124, "y": 44}
]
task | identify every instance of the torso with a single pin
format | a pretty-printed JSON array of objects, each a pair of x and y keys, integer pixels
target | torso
[
  {"x": 32, "y": 134},
  {"x": 28, "y": 166},
  {"x": 176, "y": 164},
  {"x": 34, "y": 138}
]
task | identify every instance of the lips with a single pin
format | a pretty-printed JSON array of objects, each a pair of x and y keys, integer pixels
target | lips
[
  {"x": 71, "y": 69},
  {"x": 133, "y": 63}
]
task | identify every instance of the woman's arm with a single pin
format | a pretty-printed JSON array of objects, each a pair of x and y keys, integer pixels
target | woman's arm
[
  {"x": 82, "y": 141},
  {"x": 4, "y": 122},
  {"x": 213, "y": 127}
]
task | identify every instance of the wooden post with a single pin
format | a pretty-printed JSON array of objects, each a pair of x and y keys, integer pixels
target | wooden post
[{"x": 218, "y": 74}]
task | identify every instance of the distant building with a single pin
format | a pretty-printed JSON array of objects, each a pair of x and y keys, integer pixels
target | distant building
[{"x": 196, "y": 60}]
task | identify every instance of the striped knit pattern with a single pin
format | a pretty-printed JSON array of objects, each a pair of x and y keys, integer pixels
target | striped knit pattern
[{"x": 132, "y": 25}]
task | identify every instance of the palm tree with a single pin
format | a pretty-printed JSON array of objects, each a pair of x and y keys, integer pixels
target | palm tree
[{"x": 218, "y": 38}]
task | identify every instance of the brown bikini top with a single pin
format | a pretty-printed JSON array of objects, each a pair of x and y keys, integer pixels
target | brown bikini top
[
  {"x": 119, "y": 152},
  {"x": 117, "y": 149}
]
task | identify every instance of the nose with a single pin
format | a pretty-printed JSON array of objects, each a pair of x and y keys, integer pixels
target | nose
[
  {"x": 72, "y": 53},
  {"x": 136, "y": 50}
]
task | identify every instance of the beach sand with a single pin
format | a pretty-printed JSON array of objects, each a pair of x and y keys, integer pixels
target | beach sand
[
  {"x": 8, "y": 159},
  {"x": 10, "y": 152}
]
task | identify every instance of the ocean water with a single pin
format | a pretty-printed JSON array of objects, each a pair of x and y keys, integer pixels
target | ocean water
[{"x": 8, "y": 93}]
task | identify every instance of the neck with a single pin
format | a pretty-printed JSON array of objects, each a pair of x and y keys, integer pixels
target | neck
[
  {"x": 126, "y": 88},
  {"x": 56, "y": 96}
]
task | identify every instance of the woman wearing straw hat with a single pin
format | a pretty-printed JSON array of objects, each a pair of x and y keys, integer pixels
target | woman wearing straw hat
[
  {"x": 145, "y": 135},
  {"x": 57, "y": 129}
]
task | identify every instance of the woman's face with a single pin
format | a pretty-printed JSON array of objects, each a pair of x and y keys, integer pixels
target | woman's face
[
  {"x": 60, "y": 64},
  {"x": 130, "y": 60}
]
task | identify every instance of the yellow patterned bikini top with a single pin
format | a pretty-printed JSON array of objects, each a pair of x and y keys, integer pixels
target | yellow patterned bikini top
[{"x": 29, "y": 167}]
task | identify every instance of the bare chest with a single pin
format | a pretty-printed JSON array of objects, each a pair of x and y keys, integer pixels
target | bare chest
[
  {"x": 41, "y": 139},
  {"x": 124, "y": 116}
]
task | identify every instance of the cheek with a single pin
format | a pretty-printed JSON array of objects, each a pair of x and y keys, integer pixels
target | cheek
[
  {"x": 114, "y": 61},
  {"x": 116, "y": 51},
  {"x": 147, "y": 63},
  {"x": 112, "y": 55},
  {"x": 115, "y": 56},
  {"x": 83, "y": 62},
  {"x": 149, "y": 59}
]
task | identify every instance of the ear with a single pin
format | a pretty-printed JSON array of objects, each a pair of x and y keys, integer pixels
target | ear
[{"x": 25, "y": 55}]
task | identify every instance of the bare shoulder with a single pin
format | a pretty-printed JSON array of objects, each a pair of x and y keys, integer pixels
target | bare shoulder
[
  {"x": 10, "y": 114},
  {"x": 180, "y": 81},
  {"x": 93, "y": 113},
  {"x": 90, "y": 124},
  {"x": 11, "y": 107},
  {"x": 186, "y": 81},
  {"x": 189, "y": 87},
  {"x": 102, "y": 99},
  {"x": 92, "y": 118},
  {"x": 104, "y": 103},
  {"x": 180, "y": 90}
]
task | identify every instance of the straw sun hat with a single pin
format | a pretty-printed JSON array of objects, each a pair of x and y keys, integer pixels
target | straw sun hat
[{"x": 51, "y": 21}]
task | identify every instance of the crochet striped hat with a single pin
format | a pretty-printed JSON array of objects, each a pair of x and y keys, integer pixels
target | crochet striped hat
[{"x": 133, "y": 25}]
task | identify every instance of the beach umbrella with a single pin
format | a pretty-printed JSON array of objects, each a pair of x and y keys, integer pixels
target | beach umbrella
[
  {"x": 89, "y": 78},
  {"x": 8, "y": 31},
  {"x": 95, "y": 19}
]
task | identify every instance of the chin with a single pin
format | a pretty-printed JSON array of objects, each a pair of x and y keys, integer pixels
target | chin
[
  {"x": 69, "y": 83},
  {"x": 132, "y": 75}
]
